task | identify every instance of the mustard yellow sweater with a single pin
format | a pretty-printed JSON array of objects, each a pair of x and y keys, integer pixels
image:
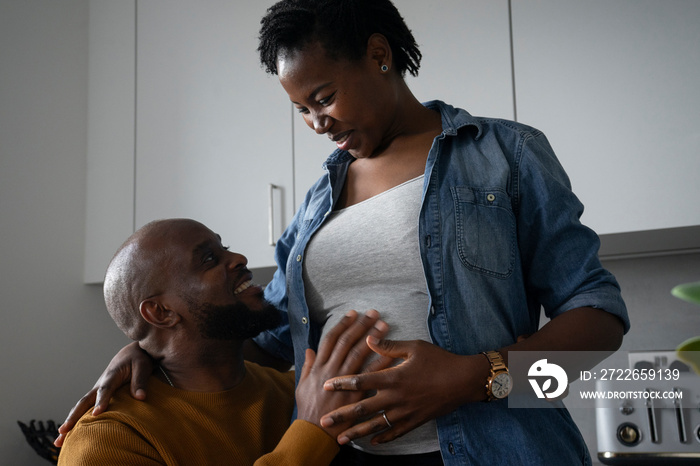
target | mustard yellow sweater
[{"x": 246, "y": 425}]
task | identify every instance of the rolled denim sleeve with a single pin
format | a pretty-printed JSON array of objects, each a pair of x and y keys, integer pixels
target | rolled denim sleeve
[{"x": 559, "y": 253}]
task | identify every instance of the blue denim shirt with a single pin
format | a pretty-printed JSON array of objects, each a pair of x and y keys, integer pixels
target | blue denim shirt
[{"x": 500, "y": 237}]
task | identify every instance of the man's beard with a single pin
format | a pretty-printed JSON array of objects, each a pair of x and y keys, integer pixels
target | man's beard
[{"x": 235, "y": 321}]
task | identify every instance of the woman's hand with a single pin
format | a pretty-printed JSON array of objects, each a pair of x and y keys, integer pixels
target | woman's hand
[
  {"x": 342, "y": 351},
  {"x": 131, "y": 363},
  {"x": 429, "y": 383},
  {"x": 432, "y": 382}
]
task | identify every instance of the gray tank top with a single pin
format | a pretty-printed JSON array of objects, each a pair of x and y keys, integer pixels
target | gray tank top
[{"x": 367, "y": 256}]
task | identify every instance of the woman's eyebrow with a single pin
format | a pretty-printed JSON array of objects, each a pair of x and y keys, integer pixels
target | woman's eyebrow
[{"x": 314, "y": 92}]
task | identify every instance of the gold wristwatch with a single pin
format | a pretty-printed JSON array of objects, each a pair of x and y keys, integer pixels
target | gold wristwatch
[{"x": 499, "y": 383}]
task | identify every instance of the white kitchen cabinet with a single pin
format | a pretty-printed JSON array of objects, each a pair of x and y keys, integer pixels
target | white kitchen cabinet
[
  {"x": 466, "y": 54},
  {"x": 466, "y": 63},
  {"x": 184, "y": 123},
  {"x": 212, "y": 130},
  {"x": 614, "y": 85},
  {"x": 110, "y": 151}
]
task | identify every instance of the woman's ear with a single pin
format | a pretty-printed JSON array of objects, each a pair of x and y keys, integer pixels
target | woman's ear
[
  {"x": 157, "y": 313},
  {"x": 379, "y": 51}
]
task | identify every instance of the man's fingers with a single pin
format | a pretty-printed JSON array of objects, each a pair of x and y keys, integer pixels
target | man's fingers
[
  {"x": 309, "y": 359},
  {"x": 329, "y": 341},
  {"x": 381, "y": 363},
  {"x": 342, "y": 338},
  {"x": 359, "y": 353},
  {"x": 388, "y": 351},
  {"x": 348, "y": 339}
]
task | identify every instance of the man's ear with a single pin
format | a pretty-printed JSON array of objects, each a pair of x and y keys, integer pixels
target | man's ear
[{"x": 157, "y": 313}]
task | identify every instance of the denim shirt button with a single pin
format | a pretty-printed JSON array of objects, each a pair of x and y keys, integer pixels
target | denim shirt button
[
  {"x": 451, "y": 448},
  {"x": 304, "y": 320},
  {"x": 432, "y": 310},
  {"x": 299, "y": 258},
  {"x": 427, "y": 241},
  {"x": 490, "y": 197}
]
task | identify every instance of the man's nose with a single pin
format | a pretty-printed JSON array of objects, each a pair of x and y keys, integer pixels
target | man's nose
[{"x": 236, "y": 260}]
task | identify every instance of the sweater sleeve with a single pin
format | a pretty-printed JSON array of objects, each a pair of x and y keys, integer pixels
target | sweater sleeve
[
  {"x": 107, "y": 442},
  {"x": 304, "y": 443}
]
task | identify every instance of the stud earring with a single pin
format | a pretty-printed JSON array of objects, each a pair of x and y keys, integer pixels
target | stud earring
[{"x": 384, "y": 68}]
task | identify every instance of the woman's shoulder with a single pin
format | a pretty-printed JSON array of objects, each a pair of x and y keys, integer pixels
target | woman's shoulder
[{"x": 455, "y": 118}]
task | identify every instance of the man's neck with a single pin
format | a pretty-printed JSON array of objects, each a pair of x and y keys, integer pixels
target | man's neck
[{"x": 210, "y": 371}]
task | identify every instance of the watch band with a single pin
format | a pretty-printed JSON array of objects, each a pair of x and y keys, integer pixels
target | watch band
[
  {"x": 497, "y": 366},
  {"x": 496, "y": 361}
]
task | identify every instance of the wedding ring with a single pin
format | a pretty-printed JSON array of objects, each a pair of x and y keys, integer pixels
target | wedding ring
[{"x": 387, "y": 420}]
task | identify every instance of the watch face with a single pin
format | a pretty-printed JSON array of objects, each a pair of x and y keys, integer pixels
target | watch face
[{"x": 501, "y": 385}]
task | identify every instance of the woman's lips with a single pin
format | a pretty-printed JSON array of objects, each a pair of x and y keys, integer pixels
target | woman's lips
[{"x": 343, "y": 140}]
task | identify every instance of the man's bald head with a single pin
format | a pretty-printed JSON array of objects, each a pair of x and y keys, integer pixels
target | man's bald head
[{"x": 139, "y": 270}]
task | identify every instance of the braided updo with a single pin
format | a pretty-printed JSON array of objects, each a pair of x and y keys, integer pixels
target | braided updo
[{"x": 341, "y": 26}]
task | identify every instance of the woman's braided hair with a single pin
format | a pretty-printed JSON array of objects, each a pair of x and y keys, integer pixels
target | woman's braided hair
[{"x": 341, "y": 26}]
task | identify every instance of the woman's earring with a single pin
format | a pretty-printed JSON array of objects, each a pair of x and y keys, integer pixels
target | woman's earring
[{"x": 384, "y": 68}]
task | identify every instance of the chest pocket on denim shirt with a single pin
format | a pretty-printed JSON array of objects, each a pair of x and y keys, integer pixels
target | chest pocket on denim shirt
[{"x": 485, "y": 230}]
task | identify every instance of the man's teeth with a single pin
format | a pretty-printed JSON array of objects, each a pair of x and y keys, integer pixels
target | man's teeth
[{"x": 243, "y": 287}]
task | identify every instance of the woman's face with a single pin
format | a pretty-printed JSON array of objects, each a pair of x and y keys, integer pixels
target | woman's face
[{"x": 349, "y": 101}]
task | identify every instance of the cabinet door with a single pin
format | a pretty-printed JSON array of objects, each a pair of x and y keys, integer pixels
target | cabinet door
[
  {"x": 110, "y": 152},
  {"x": 466, "y": 63},
  {"x": 614, "y": 85},
  {"x": 212, "y": 130}
]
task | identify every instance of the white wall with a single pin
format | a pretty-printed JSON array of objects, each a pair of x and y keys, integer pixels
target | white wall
[{"x": 55, "y": 334}]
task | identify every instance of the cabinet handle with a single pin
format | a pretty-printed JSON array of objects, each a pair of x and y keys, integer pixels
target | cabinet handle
[{"x": 271, "y": 211}]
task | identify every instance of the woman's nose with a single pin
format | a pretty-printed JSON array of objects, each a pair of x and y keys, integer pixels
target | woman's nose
[{"x": 321, "y": 123}]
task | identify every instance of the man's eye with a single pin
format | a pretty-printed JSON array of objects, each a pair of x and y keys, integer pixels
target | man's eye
[
  {"x": 302, "y": 110},
  {"x": 209, "y": 257}
]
